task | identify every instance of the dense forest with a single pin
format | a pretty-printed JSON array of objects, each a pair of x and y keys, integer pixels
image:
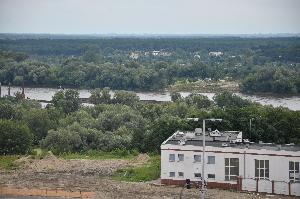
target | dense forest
[
  {"x": 269, "y": 65},
  {"x": 122, "y": 122}
]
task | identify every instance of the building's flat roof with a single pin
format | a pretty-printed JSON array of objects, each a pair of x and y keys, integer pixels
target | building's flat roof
[{"x": 227, "y": 139}]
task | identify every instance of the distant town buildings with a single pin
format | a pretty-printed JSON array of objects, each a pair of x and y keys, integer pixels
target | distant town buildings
[
  {"x": 215, "y": 54},
  {"x": 231, "y": 162},
  {"x": 161, "y": 53},
  {"x": 134, "y": 55}
]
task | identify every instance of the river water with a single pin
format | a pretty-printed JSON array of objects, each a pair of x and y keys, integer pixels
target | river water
[{"x": 292, "y": 103}]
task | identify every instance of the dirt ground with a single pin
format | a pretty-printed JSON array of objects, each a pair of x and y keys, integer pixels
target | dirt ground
[{"x": 94, "y": 175}]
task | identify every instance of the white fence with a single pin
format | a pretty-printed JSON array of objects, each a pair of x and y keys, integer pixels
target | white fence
[
  {"x": 267, "y": 186},
  {"x": 295, "y": 189},
  {"x": 281, "y": 188}
]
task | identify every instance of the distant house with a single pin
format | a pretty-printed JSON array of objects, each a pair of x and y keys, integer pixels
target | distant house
[
  {"x": 231, "y": 162},
  {"x": 155, "y": 52},
  {"x": 197, "y": 56},
  {"x": 161, "y": 53},
  {"x": 215, "y": 54},
  {"x": 134, "y": 55}
]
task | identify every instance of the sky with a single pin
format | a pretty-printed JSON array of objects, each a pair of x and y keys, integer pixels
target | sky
[{"x": 150, "y": 16}]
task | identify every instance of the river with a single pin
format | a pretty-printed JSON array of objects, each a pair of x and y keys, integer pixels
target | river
[{"x": 292, "y": 103}]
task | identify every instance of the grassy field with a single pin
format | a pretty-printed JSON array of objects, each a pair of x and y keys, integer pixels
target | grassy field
[
  {"x": 147, "y": 172},
  {"x": 7, "y": 162}
]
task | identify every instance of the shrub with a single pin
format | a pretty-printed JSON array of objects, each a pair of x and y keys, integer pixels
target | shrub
[
  {"x": 62, "y": 140},
  {"x": 15, "y": 137}
]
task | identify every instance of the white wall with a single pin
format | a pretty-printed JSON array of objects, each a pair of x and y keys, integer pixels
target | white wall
[{"x": 278, "y": 165}]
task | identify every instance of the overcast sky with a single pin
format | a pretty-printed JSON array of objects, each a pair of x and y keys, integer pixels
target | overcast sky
[{"x": 150, "y": 16}]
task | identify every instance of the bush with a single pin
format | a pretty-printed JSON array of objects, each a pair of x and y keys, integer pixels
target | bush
[
  {"x": 15, "y": 137},
  {"x": 39, "y": 123},
  {"x": 62, "y": 140}
]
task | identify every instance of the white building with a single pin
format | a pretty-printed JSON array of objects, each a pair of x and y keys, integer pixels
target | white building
[
  {"x": 134, "y": 55},
  {"x": 215, "y": 54},
  {"x": 231, "y": 162}
]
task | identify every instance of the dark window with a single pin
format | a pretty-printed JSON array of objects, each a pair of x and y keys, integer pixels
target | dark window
[
  {"x": 231, "y": 168},
  {"x": 262, "y": 169},
  {"x": 197, "y": 158},
  {"x": 172, "y": 174},
  {"x": 211, "y": 176},
  {"x": 180, "y": 157},
  {"x": 197, "y": 175},
  {"x": 211, "y": 160},
  {"x": 180, "y": 174},
  {"x": 294, "y": 174},
  {"x": 171, "y": 157}
]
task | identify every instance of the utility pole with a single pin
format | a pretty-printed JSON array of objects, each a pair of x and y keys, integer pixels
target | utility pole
[
  {"x": 250, "y": 127},
  {"x": 202, "y": 191},
  {"x": 203, "y": 162}
]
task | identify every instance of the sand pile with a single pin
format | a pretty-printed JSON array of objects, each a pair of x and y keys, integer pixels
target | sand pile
[{"x": 51, "y": 164}]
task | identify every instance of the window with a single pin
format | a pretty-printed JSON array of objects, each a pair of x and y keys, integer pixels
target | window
[
  {"x": 171, "y": 157},
  {"x": 197, "y": 175},
  {"x": 211, "y": 176},
  {"x": 211, "y": 160},
  {"x": 294, "y": 171},
  {"x": 172, "y": 174},
  {"x": 180, "y": 157},
  {"x": 197, "y": 158},
  {"x": 180, "y": 174},
  {"x": 231, "y": 168},
  {"x": 262, "y": 169}
]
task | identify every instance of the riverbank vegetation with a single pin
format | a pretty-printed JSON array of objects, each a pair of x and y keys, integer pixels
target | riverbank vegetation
[
  {"x": 268, "y": 65},
  {"x": 123, "y": 126}
]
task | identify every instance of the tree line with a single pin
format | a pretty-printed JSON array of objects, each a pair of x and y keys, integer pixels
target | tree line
[
  {"x": 123, "y": 122},
  {"x": 258, "y": 64}
]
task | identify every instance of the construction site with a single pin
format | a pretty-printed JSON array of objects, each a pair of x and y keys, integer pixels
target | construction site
[{"x": 84, "y": 178}]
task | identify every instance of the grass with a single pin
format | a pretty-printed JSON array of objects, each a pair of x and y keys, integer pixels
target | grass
[
  {"x": 211, "y": 86},
  {"x": 143, "y": 173},
  {"x": 101, "y": 155},
  {"x": 7, "y": 162}
]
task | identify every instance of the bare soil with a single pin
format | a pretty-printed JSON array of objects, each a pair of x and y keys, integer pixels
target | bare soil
[{"x": 94, "y": 176}]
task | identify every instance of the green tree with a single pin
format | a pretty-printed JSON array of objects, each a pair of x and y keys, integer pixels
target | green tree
[
  {"x": 200, "y": 101},
  {"x": 160, "y": 130},
  {"x": 227, "y": 99},
  {"x": 99, "y": 96},
  {"x": 39, "y": 123},
  {"x": 68, "y": 101},
  {"x": 62, "y": 140},
  {"x": 15, "y": 138},
  {"x": 175, "y": 96},
  {"x": 125, "y": 97},
  {"x": 8, "y": 111}
]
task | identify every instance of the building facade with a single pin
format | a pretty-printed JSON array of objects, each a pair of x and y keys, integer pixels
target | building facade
[{"x": 231, "y": 162}]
